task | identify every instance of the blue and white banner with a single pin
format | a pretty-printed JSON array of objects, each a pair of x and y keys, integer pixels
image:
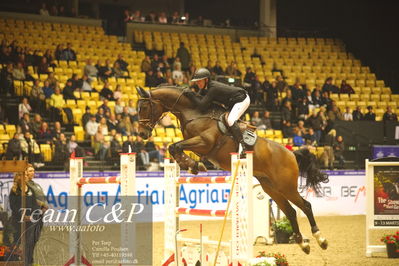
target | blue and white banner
[{"x": 343, "y": 195}]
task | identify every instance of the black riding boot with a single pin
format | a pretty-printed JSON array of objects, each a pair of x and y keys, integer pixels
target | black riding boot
[{"x": 237, "y": 135}]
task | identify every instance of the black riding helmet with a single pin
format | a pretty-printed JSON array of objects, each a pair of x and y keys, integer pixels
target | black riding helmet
[{"x": 201, "y": 73}]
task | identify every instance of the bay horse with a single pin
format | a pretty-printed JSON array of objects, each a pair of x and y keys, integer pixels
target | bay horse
[{"x": 276, "y": 168}]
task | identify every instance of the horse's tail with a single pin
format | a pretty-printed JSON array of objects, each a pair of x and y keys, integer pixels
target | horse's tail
[{"x": 308, "y": 168}]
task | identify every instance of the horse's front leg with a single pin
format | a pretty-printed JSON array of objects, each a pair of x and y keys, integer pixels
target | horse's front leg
[{"x": 185, "y": 162}]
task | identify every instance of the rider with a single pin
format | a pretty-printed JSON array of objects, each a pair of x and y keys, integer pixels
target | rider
[{"x": 236, "y": 99}]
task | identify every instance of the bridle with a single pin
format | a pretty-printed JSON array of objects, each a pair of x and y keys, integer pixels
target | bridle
[{"x": 150, "y": 123}]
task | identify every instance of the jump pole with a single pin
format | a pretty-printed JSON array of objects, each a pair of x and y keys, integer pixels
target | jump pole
[
  {"x": 127, "y": 182},
  {"x": 242, "y": 214}
]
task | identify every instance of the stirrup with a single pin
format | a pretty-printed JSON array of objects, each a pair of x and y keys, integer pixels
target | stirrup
[{"x": 242, "y": 151}]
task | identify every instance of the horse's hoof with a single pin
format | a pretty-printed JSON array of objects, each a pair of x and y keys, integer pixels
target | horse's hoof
[
  {"x": 202, "y": 167},
  {"x": 192, "y": 171},
  {"x": 324, "y": 244},
  {"x": 305, "y": 247}
]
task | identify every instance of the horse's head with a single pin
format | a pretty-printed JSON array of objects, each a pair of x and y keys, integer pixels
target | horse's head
[{"x": 149, "y": 112}]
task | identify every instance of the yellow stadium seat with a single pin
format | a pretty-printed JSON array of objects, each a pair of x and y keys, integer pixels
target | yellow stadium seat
[
  {"x": 160, "y": 131},
  {"x": 79, "y": 133}
]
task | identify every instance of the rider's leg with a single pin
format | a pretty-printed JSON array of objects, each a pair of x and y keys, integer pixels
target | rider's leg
[{"x": 236, "y": 112}]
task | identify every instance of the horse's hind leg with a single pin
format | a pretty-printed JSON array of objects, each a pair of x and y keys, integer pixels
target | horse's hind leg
[
  {"x": 306, "y": 207},
  {"x": 289, "y": 211}
]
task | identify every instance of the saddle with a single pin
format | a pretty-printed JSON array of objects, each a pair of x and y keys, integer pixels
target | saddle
[{"x": 248, "y": 131}]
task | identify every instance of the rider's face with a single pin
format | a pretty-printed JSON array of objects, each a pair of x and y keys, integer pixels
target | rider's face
[{"x": 201, "y": 83}]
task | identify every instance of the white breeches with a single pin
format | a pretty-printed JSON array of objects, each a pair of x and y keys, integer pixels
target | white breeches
[{"x": 238, "y": 110}]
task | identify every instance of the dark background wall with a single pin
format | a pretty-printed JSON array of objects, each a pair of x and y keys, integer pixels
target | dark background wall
[{"x": 370, "y": 29}]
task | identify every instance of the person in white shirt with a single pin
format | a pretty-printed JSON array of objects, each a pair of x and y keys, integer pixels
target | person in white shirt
[
  {"x": 44, "y": 11},
  {"x": 92, "y": 126},
  {"x": 348, "y": 114},
  {"x": 118, "y": 106},
  {"x": 90, "y": 70},
  {"x": 177, "y": 74},
  {"x": 24, "y": 107}
]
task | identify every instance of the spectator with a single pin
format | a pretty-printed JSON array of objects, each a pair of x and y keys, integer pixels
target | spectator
[
  {"x": 57, "y": 104},
  {"x": 106, "y": 92},
  {"x": 316, "y": 98},
  {"x": 43, "y": 66},
  {"x": 184, "y": 56},
  {"x": 128, "y": 145},
  {"x": 132, "y": 111},
  {"x": 370, "y": 115},
  {"x": 126, "y": 127},
  {"x": 272, "y": 96},
  {"x": 166, "y": 122},
  {"x": 346, "y": 88},
  {"x": 288, "y": 130},
  {"x": 18, "y": 72},
  {"x": 7, "y": 80},
  {"x": 137, "y": 16},
  {"x": 85, "y": 84},
  {"x": 47, "y": 90},
  {"x": 122, "y": 63},
  {"x": 334, "y": 114},
  {"x": 61, "y": 151},
  {"x": 303, "y": 109},
  {"x": 86, "y": 116},
  {"x": 76, "y": 83},
  {"x": 281, "y": 84},
  {"x": 118, "y": 107},
  {"x": 115, "y": 146},
  {"x": 217, "y": 69},
  {"x": 325, "y": 99},
  {"x": 315, "y": 122},
  {"x": 36, "y": 125},
  {"x": 256, "y": 120},
  {"x": 265, "y": 123},
  {"x": 54, "y": 11},
  {"x": 298, "y": 139},
  {"x": 146, "y": 64},
  {"x": 389, "y": 115},
  {"x": 104, "y": 71},
  {"x": 127, "y": 17},
  {"x": 30, "y": 149},
  {"x": 298, "y": 92},
  {"x": 112, "y": 123},
  {"x": 90, "y": 70},
  {"x": 153, "y": 150},
  {"x": 177, "y": 75},
  {"x": 68, "y": 91},
  {"x": 151, "y": 18},
  {"x": 118, "y": 71},
  {"x": 311, "y": 138},
  {"x": 329, "y": 87},
  {"x": 59, "y": 52},
  {"x": 150, "y": 79},
  {"x": 357, "y": 114},
  {"x": 50, "y": 58},
  {"x": 14, "y": 151},
  {"x": 301, "y": 127},
  {"x": 44, "y": 11},
  {"x": 328, "y": 153},
  {"x": 185, "y": 20},
  {"x": 175, "y": 19},
  {"x": 286, "y": 113},
  {"x": 68, "y": 53},
  {"x": 105, "y": 106},
  {"x": 232, "y": 70},
  {"x": 62, "y": 12},
  {"x": 45, "y": 135},
  {"x": 290, "y": 144},
  {"x": 52, "y": 80},
  {"x": 57, "y": 131},
  {"x": 24, "y": 123},
  {"x": 348, "y": 114},
  {"x": 91, "y": 126},
  {"x": 118, "y": 93},
  {"x": 142, "y": 152},
  {"x": 73, "y": 147},
  {"x": 162, "y": 18},
  {"x": 339, "y": 148},
  {"x": 100, "y": 114},
  {"x": 24, "y": 107},
  {"x": 160, "y": 79},
  {"x": 249, "y": 75}
]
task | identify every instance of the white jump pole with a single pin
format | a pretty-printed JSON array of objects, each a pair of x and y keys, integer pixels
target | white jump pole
[
  {"x": 128, "y": 188},
  {"x": 241, "y": 209}
]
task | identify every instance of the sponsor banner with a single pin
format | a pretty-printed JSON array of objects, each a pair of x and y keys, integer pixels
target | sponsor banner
[
  {"x": 386, "y": 196},
  {"x": 381, "y": 151},
  {"x": 343, "y": 195}
]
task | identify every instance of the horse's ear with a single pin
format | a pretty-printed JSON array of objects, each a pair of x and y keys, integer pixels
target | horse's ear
[{"x": 143, "y": 93}]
